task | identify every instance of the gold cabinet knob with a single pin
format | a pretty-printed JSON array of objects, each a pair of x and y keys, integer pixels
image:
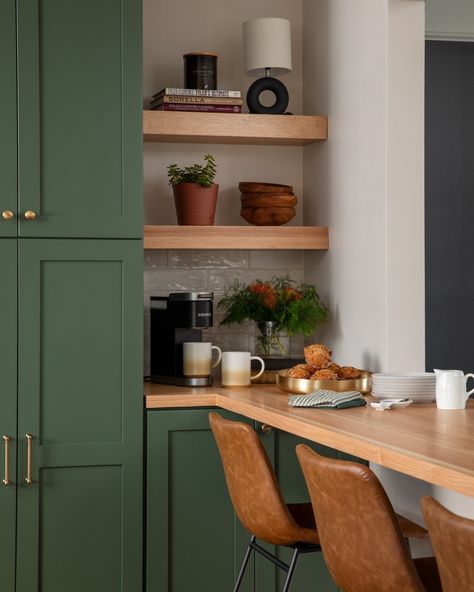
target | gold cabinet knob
[
  {"x": 30, "y": 215},
  {"x": 7, "y": 214},
  {"x": 266, "y": 429}
]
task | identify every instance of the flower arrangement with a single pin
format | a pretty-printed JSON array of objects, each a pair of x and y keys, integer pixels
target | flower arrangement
[{"x": 280, "y": 304}]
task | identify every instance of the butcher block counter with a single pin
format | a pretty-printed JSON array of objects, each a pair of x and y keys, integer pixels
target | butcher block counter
[{"x": 420, "y": 440}]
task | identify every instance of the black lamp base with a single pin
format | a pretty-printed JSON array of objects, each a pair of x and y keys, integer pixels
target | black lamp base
[{"x": 274, "y": 86}]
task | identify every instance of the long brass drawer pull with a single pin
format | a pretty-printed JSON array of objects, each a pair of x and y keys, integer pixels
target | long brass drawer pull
[
  {"x": 29, "y": 439},
  {"x": 6, "y": 445}
]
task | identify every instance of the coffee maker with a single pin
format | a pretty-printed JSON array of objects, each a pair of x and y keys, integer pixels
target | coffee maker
[{"x": 175, "y": 319}]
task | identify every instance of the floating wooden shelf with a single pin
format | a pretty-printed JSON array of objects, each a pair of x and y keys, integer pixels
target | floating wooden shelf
[
  {"x": 236, "y": 237},
  {"x": 233, "y": 128}
]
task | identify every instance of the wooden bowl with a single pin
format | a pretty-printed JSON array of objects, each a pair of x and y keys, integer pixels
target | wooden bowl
[
  {"x": 268, "y": 216},
  {"x": 267, "y": 200},
  {"x": 251, "y": 187}
]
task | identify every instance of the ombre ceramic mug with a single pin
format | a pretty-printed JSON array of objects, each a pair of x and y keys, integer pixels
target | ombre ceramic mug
[
  {"x": 236, "y": 369},
  {"x": 197, "y": 358}
]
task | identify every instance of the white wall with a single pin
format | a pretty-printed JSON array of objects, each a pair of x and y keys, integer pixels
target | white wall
[
  {"x": 363, "y": 66},
  {"x": 451, "y": 20}
]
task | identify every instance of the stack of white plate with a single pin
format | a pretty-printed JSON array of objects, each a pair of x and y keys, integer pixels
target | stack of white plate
[{"x": 420, "y": 387}]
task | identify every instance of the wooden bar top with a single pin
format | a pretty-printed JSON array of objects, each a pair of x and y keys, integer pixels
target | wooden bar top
[{"x": 420, "y": 440}]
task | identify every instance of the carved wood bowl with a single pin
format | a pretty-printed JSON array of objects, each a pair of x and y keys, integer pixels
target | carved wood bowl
[
  {"x": 253, "y": 187},
  {"x": 268, "y": 216}
]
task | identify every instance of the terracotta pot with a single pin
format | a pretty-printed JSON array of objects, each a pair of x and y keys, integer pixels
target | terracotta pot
[{"x": 195, "y": 204}]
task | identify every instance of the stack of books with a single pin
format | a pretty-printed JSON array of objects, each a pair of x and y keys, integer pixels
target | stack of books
[{"x": 190, "y": 99}]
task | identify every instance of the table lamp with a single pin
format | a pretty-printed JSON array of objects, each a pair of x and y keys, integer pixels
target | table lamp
[{"x": 267, "y": 51}]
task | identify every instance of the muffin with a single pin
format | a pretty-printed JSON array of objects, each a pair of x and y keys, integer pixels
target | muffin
[
  {"x": 324, "y": 374},
  {"x": 317, "y": 355},
  {"x": 300, "y": 371},
  {"x": 349, "y": 373}
]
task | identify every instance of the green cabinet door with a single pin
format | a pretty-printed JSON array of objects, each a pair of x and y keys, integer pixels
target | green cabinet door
[
  {"x": 80, "y": 118},
  {"x": 194, "y": 540},
  {"x": 311, "y": 572},
  {"x": 8, "y": 356},
  {"x": 8, "y": 142},
  {"x": 81, "y": 400}
]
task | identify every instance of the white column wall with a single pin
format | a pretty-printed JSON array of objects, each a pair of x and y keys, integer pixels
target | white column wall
[{"x": 364, "y": 66}]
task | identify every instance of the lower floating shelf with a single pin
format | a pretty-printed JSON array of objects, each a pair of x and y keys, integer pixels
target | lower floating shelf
[{"x": 236, "y": 237}]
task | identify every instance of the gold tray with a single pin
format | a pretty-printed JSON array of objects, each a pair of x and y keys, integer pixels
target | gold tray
[{"x": 305, "y": 385}]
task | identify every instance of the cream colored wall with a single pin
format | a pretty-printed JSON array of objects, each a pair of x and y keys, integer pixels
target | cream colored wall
[
  {"x": 174, "y": 28},
  {"x": 451, "y": 20},
  {"x": 364, "y": 67}
]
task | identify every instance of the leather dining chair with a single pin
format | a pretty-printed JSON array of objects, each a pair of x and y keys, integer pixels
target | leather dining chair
[
  {"x": 360, "y": 536},
  {"x": 452, "y": 538},
  {"x": 258, "y": 501}
]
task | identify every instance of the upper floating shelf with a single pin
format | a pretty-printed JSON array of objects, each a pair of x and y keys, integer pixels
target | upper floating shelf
[
  {"x": 233, "y": 128},
  {"x": 236, "y": 237}
]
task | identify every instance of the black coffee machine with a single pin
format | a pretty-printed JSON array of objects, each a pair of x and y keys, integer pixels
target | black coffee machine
[{"x": 175, "y": 319}]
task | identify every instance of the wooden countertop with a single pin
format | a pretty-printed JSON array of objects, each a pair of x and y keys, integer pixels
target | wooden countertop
[{"x": 420, "y": 440}]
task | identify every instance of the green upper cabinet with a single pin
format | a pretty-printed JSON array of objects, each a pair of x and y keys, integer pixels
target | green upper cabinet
[
  {"x": 8, "y": 141},
  {"x": 79, "y": 118}
]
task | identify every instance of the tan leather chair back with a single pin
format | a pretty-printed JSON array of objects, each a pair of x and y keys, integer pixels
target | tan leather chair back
[
  {"x": 452, "y": 538},
  {"x": 359, "y": 532},
  {"x": 252, "y": 483}
]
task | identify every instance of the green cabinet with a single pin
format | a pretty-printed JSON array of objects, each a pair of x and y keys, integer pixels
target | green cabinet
[
  {"x": 193, "y": 538},
  {"x": 8, "y": 119},
  {"x": 77, "y": 524},
  {"x": 8, "y": 415},
  {"x": 76, "y": 67},
  {"x": 71, "y": 407}
]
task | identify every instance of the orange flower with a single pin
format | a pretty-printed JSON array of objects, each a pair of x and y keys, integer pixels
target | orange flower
[{"x": 293, "y": 294}]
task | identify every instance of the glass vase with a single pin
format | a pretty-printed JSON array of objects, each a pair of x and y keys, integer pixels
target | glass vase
[{"x": 268, "y": 340}]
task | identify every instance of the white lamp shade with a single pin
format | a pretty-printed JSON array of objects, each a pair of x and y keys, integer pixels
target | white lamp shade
[{"x": 267, "y": 44}]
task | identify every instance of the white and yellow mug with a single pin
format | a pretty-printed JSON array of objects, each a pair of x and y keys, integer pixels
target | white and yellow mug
[{"x": 236, "y": 368}]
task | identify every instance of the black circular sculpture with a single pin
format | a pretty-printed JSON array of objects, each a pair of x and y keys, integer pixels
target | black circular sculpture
[{"x": 274, "y": 86}]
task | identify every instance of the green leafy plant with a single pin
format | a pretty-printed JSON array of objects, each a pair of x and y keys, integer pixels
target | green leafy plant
[
  {"x": 293, "y": 307},
  {"x": 196, "y": 173}
]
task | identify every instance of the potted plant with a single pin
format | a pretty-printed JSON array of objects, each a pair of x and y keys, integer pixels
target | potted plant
[
  {"x": 277, "y": 305},
  {"x": 195, "y": 194}
]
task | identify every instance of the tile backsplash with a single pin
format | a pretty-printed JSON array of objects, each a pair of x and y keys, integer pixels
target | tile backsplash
[{"x": 213, "y": 270}]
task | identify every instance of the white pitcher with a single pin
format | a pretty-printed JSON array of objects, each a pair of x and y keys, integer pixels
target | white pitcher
[{"x": 451, "y": 389}]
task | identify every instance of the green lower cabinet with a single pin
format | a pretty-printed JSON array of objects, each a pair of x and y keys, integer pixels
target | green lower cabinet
[
  {"x": 79, "y": 520},
  {"x": 311, "y": 572},
  {"x": 194, "y": 540},
  {"x": 8, "y": 419}
]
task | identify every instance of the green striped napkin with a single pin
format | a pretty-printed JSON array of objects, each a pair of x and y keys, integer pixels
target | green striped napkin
[{"x": 328, "y": 399}]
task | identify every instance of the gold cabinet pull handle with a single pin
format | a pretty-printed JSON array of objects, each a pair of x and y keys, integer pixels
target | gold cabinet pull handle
[
  {"x": 6, "y": 445},
  {"x": 29, "y": 439},
  {"x": 8, "y": 215},
  {"x": 30, "y": 215},
  {"x": 266, "y": 429}
]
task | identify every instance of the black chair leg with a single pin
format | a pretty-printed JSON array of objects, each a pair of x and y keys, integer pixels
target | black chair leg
[
  {"x": 291, "y": 570},
  {"x": 243, "y": 567}
]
